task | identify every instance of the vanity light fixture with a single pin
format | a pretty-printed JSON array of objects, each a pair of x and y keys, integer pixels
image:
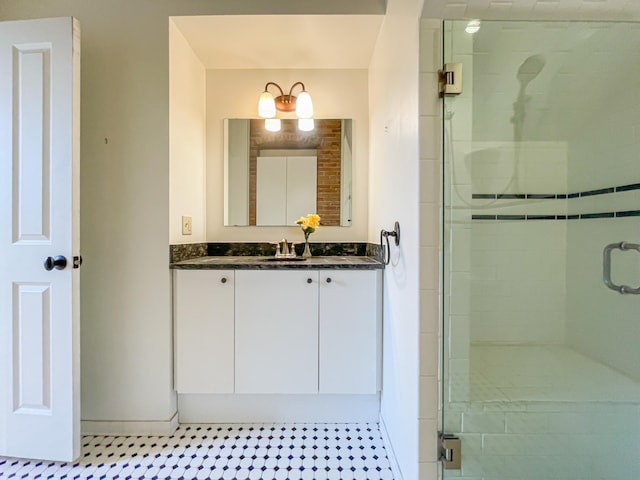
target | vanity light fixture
[{"x": 302, "y": 105}]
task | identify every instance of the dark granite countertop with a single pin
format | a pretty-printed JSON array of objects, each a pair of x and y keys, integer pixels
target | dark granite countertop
[{"x": 353, "y": 262}]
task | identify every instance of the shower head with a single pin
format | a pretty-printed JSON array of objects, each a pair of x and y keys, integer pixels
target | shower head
[{"x": 530, "y": 69}]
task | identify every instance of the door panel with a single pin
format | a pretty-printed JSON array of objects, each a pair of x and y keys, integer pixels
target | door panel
[
  {"x": 32, "y": 155},
  {"x": 31, "y": 348},
  {"x": 39, "y": 219}
]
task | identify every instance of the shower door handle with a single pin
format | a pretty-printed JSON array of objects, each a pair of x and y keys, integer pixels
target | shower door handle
[{"x": 606, "y": 267}]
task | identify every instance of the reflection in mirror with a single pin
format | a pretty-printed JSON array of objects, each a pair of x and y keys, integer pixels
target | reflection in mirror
[{"x": 274, "y": 178}]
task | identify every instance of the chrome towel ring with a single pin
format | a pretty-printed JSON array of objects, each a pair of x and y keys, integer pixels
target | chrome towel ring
[{"x": 386, "y": 234}]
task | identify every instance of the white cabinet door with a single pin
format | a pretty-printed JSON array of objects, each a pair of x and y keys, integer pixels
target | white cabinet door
[
  {"x": 276, "y": 331},
  {"x": 349, "y": 326},
  {"x": 204, "y": 319}
]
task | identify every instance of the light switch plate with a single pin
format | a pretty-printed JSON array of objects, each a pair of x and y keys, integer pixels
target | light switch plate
[{"x": 187, "y": 228}]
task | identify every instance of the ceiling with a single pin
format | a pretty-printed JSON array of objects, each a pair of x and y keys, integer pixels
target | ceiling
[
  {"x": 282, "y": 41},
  {"x": 289, "y": 38},
  {"x": 533, "y": 9}
]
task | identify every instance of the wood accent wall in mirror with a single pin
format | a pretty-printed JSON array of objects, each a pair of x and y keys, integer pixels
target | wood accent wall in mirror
[{"x": 273, "y": 178}]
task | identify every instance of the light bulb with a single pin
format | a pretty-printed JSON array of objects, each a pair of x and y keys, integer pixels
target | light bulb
[
  {"x": 272, "y": 124},
  {"x": 473, "y": 26},
  {"x": 266, "y": 105},
  {"x": 306, "y": 124},
  {"x": 304, "y": 105}
]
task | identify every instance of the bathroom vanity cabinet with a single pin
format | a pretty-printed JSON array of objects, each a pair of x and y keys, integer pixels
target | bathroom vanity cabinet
[
  {"x": 204, "y": 330},
  {"x": 271, "y": 331}
]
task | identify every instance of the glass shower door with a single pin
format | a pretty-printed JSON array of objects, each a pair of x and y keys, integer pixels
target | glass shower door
[{"x": 541, "y": 359}]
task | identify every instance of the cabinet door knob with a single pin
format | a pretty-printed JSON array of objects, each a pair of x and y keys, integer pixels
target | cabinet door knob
[
  {"x": 329, "y": 280},
  {"x": 223, "y": 280},
  {"x": 309, "y": 280}
]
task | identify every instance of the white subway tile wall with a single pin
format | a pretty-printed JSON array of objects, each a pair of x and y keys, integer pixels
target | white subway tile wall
[{"x": 430, "y": 245}]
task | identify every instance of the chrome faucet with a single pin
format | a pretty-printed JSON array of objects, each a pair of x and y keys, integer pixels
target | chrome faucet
[{"x": 285, "y": 249}]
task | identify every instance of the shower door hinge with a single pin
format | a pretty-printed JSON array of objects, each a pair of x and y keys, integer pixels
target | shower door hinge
[
  {"x": 450, "y": 451},
  {"x": 451, "y": 79}
]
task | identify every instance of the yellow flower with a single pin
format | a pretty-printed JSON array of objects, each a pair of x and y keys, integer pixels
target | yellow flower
[
  {"x": 314, "y": 220},
  {"x": 309, "y": 223}
]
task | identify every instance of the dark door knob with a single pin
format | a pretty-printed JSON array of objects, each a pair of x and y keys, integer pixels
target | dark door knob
[{"x": 59, "y": 263}]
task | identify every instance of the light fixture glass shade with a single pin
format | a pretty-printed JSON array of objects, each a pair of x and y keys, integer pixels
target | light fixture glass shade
[
  {"x": 306, "y": 124},
  {"x": 304, "y": 105},
  {"x": 473, "y": 26},
  {"x": 272, "y": 124},
  {"x": 266, "y": 105}
]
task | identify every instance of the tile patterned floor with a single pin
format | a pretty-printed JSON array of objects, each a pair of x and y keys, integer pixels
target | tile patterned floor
[{"x": 235, "y": 451}]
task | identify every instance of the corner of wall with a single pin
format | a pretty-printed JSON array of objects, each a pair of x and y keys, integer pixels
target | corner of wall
[
  {"x": 187, "y": 132},
  {"x": 430, "y": 245}
]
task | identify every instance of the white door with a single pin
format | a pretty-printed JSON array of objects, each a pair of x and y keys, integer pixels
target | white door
[
  {"x": 39, "y": 219},
  {"x": 271, "y": 191},
  {"x": 302, "y": 174}
]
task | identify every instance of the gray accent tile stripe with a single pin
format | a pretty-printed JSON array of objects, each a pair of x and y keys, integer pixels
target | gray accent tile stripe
[
  {"x": 487, "y": 196},
  {"x": 541, "y": 217},
  {"x": 626, "y": 188},
  {"x": 584, "y": 216},
  {"x": 628, "y": 213},
  {"x": 601, "y": 191},
  {"x": 511, "y": 196},
  {"x": 598, "y": 215},
  {"x": 538, "y": 196},
  {"x": 549, "y": 196}
]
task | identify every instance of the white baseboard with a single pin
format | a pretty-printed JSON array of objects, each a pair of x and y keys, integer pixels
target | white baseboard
[
  {"x": 100, "y": 427},
  {"x": 246, "y": 408},
  {"x": 395, "y": 468}
]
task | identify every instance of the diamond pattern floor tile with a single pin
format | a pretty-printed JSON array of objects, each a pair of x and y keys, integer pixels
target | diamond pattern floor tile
[{"x": 234, "y": 452}]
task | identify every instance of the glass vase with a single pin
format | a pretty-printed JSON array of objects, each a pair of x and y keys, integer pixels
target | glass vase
[{"x": 307, "y": 250}]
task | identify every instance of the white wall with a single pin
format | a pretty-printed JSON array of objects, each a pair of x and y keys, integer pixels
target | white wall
[
  {"x": 187, "y": 124},
  {"x": 394, "y": 195},
  {"x": 335, "y": 93}
]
